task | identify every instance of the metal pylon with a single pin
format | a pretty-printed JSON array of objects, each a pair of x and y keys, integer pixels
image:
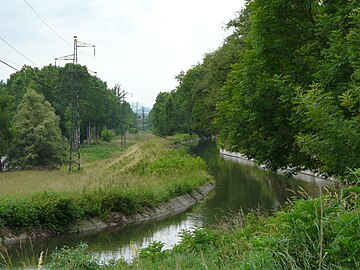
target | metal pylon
[{"x": 75, "y": 140}]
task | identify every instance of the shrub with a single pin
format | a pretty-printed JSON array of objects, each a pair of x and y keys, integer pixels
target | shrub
[
  {"x": 176, "y": 160},
  {"x": 133, "y": 131},
  {"x": 107, "y": 135},
  {"x": 197, "y": 240},
  {"x": 153, "y": 251},
  {"x": 78, "y": 258},
  {"x": 51, "y": 210}
]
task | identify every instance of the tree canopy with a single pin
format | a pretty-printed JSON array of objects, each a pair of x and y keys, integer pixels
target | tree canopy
[
  {"x": 100, "y": 109},
  {"x": 282, "y": 89}
]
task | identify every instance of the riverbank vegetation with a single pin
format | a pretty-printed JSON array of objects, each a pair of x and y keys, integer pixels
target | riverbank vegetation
[
  {"x": 309, "y": 233},
  {"x": 282, "y": 89},
  {"x": 140, "y": 177}
]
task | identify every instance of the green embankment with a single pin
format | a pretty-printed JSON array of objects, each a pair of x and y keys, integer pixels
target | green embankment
[
  {"x": 127, "y": 181},
  {"x": 320, "y": 233}
]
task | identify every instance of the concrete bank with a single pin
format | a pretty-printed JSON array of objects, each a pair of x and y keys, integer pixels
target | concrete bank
[
  {"x": 306, "y": 176},
  {"x": 172, "y": 207}
]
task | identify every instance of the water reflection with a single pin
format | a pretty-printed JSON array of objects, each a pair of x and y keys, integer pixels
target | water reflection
[{"x": 238, "y": 186}]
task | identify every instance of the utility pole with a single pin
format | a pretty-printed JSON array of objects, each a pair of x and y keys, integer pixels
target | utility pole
[
  {"x": 121, "y": 95},
  {"x": 75, "y": 141},
  {"x": 136, "y": 120},
  {"x": 143, "y": 118}
]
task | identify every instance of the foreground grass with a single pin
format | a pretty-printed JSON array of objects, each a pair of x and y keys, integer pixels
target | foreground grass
[
  {"x": 131, "y": 180},
  {"x": 320, "y": 233}
]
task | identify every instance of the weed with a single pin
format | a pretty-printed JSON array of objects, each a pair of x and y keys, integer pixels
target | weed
[
  {"x": 153, "y": 251},
  {"x": 73, "y": 259}
]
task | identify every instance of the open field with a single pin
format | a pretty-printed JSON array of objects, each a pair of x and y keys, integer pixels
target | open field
[
  {"x": 94, "y": 159},
  {"x": 127, "y": 181}
]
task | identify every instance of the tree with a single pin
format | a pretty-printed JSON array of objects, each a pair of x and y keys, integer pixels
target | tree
[
  {"x": 278, "y": 58},
  {"x": 190, "y": 108},
  {"x": 331, "y": 137},
  {"x": 329, "y": 112},
  {"x": 5, "y": 123},
  {"x": 38, "y": 142},
  {"x": 159, "y": 117}
]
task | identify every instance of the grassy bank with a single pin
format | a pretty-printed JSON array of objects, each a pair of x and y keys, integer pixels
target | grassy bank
[
  {"x": 93, "y": 159},
  {"x": 320, "y": 233},
  {"x": 112, "y": 179}
]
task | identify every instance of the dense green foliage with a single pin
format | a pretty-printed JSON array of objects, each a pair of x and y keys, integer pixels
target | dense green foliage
[
  {"x": 77, "y": 258},
  {"x": 46, "y": 210},
  {"x": 99, "y": 106},
  {"x": 5, "y": 123},
  {"x": 282, "y": 89},
  {"x": 190, "y": 108},
  {"x": 37, "y": 141},
  {"x": 320, "y": 233},
  {"x": 107, "y": 135}
]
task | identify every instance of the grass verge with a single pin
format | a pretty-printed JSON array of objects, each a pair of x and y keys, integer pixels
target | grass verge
[{"x": 142, "y": 176}]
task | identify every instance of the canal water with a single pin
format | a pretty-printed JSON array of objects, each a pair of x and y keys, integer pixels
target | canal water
[{"x": 238, "y": 186}]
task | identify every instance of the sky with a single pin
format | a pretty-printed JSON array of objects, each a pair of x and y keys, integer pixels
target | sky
[{"x": 140, "y": 44}]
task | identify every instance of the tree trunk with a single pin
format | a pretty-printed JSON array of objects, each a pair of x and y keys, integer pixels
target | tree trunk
[
  {"x": 96, "y": 135},
  {"x": 88, "y": 139}
]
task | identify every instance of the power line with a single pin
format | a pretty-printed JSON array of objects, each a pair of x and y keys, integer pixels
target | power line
[
  {"x": 10, "y": 61},
  {"x": 17, "y": 51},
  {"x": 46, "y": 23},
  {"x": 32, "y": 77},
  {"x": 10, "y": 66}
]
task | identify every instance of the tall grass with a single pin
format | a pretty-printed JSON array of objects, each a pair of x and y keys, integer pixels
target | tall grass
[
  {"x": 94, "y": 158},
  {"x": 139, "y": 177}
]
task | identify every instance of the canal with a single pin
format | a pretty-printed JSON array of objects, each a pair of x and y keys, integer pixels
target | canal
[{"x": 238, "y": 186}]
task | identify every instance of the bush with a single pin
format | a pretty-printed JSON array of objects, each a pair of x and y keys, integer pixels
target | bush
[
  {"x": 49, "y": 210},
  {"x": 153, "y": 252},
  {"x": 133, "y": 131},
  {"x": 107, "y": 135},
  {"x": 73, "y": 259},
  {"x": 175, "y": 160},
  {"x": 197, "y": 240}
]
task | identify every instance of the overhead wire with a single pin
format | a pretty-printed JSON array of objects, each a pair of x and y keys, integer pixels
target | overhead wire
[
  {"x": 14, "y": 63},
  {"x": 46, "y": 23},
  {"x": 31, "y": 77},
  {"x": 11, "y": 46},
  {"x": 7, "y": 64}
]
